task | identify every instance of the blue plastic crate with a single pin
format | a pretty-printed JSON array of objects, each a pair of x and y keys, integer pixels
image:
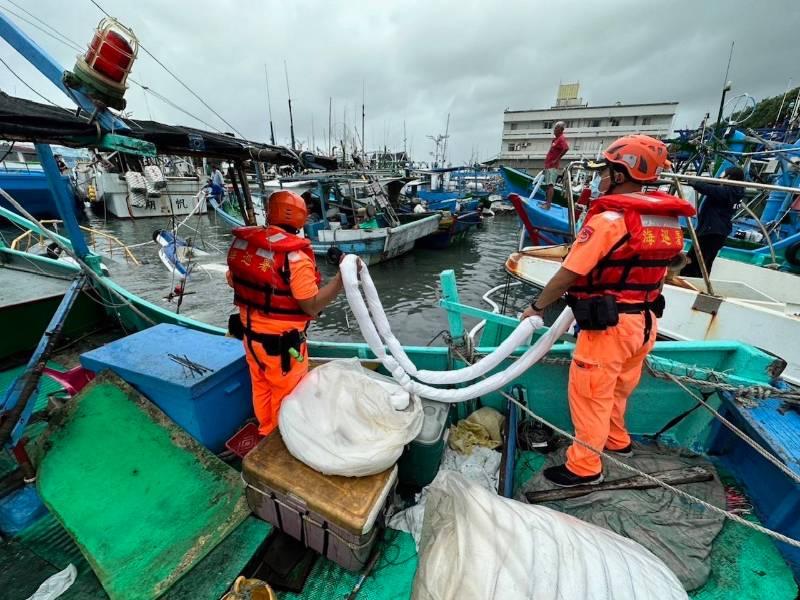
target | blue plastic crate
[
  {"x": 211, "y": 406},
  {"x": 20, "y": 509}
]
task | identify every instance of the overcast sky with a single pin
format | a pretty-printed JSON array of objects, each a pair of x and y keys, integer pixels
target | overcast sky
[{"x": 420, "y": 61}]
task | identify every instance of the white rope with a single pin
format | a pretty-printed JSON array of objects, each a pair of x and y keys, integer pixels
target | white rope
[{"x": 402, "y": 369}]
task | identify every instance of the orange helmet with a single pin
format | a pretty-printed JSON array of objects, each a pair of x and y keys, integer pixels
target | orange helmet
[
  {"x": 287, "y": 208},
  {"x": 642, "y": 156}
]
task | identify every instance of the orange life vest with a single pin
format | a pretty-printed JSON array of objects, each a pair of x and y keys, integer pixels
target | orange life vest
[
  {"x": 634, "y": 269},
  {"x": 259, "y": 263}
]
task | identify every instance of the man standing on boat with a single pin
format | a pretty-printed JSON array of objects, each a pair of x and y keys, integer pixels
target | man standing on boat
[
  {"x": 714, "y": 219},
  {"x": 217, "y": 183},
  {"x": 613, "y": 276},
  {"x": 552, "y": 161},
  {"x": 276, "y": 286}
]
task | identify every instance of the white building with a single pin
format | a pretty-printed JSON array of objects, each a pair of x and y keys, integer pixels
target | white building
[{"x": 527, "y": 133}]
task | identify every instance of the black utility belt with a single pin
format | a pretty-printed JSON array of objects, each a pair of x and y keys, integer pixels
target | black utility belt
[
  {"x": 275, "y": 344},
  {"x": 598, "y": 313}
]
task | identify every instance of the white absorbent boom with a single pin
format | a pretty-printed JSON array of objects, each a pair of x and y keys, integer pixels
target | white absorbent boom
[{"x": 378, "y": 334}]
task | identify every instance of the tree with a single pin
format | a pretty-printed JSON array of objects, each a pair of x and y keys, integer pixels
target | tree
[{"x": 766, "y": 111}]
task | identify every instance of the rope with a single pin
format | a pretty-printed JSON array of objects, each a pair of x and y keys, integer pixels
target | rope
[
  {"x": 686, "y": 496},
  {"x": 25, "y": 83},
  {"x": 748, "y": 440}
]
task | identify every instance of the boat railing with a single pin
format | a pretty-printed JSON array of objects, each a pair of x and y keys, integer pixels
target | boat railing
[{"x": 96, "y": 240}]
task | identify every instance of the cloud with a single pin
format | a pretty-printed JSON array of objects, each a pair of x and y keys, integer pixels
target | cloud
[{"x": 420, "y": 61}]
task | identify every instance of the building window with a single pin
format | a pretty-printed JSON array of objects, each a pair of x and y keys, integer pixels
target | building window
[
  {"x": 547, "y": 125},
  {"x": 511, "y": 147},
  {"x": 647, "y": 120},
  {"x": 595, "y": 123},
  {"x": 614, "y": 122},
  {"x": 635, "y": 119},
  {"x": 514, "y": 126}
]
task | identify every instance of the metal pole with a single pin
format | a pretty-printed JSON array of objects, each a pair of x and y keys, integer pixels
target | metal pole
[
  {"x": 570, "y": 200},
  {"x": 269, "y": 107},
  {"x": 62, "y": 200},
  {"x": 250, "y": 217},
  {"x": 732, "y": 182},
  {"x": 695, "y": 243},
  {"x": 289, "y": 94},
  {"x": 363, "y": 139}
]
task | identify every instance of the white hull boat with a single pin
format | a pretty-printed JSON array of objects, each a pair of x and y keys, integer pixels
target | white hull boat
[{"x": 739, "y": 311}]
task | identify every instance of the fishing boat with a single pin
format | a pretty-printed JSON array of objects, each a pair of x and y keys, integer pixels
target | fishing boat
[
  {"x": 366, "y": 225},
  {"x": 40, "y": 291},
  {"x": 167, "y": 517},
  {"x": 145, "y": 192},
  {"x": 28, "y": 183},
  {"x": 453, "y": 228},
  {"x": 738, "y": 310}
]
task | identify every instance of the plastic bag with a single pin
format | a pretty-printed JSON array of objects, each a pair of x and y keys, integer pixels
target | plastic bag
[
  {"x": 481, "y": 428},
  {"x": 476, "y": 545},
  {"x": 342, "y": 419},
  {"x": 55, "y": 585}
]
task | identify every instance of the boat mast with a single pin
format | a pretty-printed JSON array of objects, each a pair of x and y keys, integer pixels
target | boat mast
[
  {"x": 330, "y": 118},
  {"x": 446, "y": 135},
  {"x": 313, "y": 136},
  {"x": 363, "y": 139},
  {"x": 269, "y": 107},
  {"x": 405, "y": 151},
  {"x": 289, "y": 94}
]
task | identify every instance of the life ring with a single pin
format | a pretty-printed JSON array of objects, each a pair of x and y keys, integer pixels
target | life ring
[{"x": 792, "y": 254}]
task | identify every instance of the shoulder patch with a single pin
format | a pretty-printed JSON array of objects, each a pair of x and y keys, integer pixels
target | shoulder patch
[
  {"x": 584, "y": 234},
  {"x": 296, "y": 256},
  {"x": 611, "y": 215}
]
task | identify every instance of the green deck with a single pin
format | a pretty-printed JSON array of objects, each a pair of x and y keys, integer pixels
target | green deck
[
  {"x": 745, "y": 565},
  {"x": 143, "y": 500}
]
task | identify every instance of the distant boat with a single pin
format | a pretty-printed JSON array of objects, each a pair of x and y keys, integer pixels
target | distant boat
[
  {"x": 28, "y": 185},
  {"x": 375, "y": 237}
]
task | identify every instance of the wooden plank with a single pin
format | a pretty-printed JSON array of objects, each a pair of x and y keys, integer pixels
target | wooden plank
[{"x": 673, "y": 477}]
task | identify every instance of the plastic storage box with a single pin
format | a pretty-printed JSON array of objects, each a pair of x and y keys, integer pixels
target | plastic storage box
[
  {"x": 335, "y": 516},
  {"x": 211, "y": 404},
  {"x": 422, "y": 457}
]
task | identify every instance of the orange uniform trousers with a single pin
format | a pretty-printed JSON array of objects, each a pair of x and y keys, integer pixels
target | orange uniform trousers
[
  {"x": 270, "y": 385},
  {"x": 606, "y": 368}
]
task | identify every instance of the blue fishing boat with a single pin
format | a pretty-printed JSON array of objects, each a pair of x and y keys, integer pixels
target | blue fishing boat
[
  {"x": 453, "y": 228},
  {"x": 29, "y": 184},
  {"x": 367, "y": 227}
]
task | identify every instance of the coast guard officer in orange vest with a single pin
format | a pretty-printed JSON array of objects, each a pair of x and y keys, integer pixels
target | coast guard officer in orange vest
[
  {"x": 276, "y": 287},
  {"x": 613, "y": 277}
]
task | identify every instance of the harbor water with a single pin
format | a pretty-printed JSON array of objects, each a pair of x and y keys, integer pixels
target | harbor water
[{"x": 408, "y": 286}]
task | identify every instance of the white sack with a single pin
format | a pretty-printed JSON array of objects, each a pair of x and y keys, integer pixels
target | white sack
[
  {"x": 343, "y": 419},
  {"x": 478, "y": 546}
]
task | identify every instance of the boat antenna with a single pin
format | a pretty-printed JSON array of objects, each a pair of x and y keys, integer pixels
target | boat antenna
[
  {"x": 313, "y": 136},
  {"x": 405, "y": 151},
  {"x": 269, "y": 107},
  {"x": 726, "y": 87},
  {"x": 446, "y": 135},
  {"x": 330, "y": 118},
  {"x": 363, "y": 139},
  {"x": 780, "y": 109},
  {"x": 289, "y": 94}
]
